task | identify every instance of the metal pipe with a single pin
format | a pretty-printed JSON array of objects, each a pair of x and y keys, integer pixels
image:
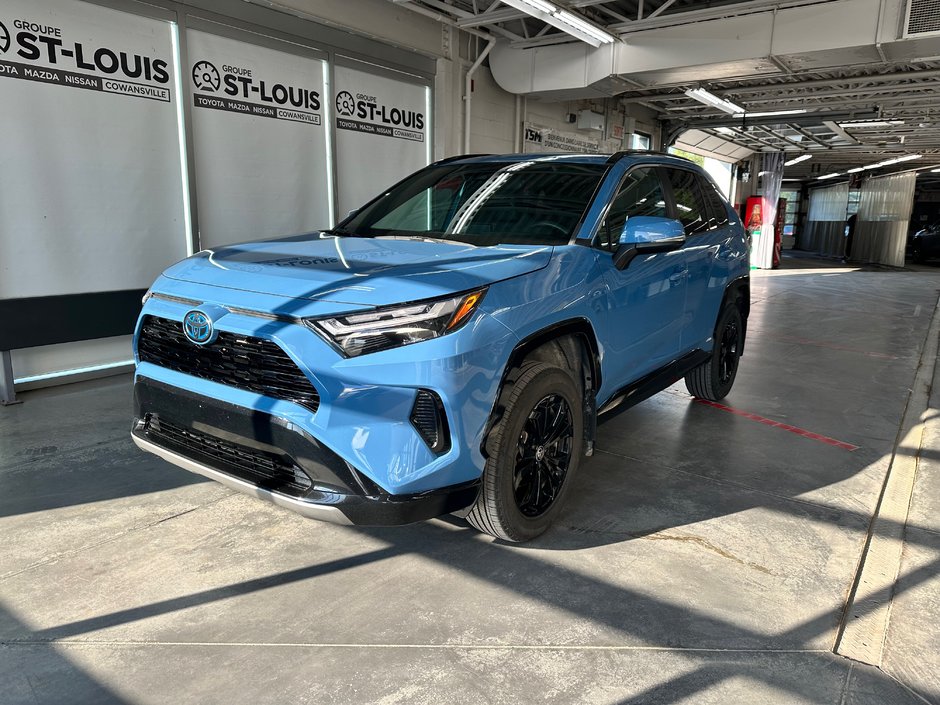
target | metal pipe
[
  {"x": 7, "y": 393},
  {"x": 468, "y": 89}
]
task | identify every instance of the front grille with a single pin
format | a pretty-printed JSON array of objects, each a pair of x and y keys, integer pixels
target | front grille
[
  {"x": 253, "y": 364},
  {"x": 276, "y": 473}
]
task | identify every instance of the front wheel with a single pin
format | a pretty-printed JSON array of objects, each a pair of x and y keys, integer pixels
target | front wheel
[
  {"x": 533, "y": 452},
  {"x": 713, "y": 379}
]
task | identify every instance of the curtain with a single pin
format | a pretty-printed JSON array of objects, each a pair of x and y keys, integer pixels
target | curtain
[
  {"x": 825, "y": 221},
  {"x": 884, "y": 212},
  {"x": 762, "y": 252}
]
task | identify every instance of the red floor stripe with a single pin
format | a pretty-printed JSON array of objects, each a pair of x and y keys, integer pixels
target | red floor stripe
[{"x": 782, "y": 426}]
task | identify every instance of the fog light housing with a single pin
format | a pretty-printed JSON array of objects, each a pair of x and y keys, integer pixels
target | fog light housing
[{"x": 430, "y": 421}]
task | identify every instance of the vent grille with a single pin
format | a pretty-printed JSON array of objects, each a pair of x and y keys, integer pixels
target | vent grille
[
  {"x": 427, "y": 416},
  {"x": 923, "y": 17},
  {"x": 267, "y": 470},
  {"x": 253, "y": 364}
]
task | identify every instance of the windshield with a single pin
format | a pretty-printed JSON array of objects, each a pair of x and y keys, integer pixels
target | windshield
[{"x": 539, "y": 203}]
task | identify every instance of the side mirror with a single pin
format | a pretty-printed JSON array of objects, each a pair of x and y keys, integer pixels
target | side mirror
[{"x": 643, "y": 235}]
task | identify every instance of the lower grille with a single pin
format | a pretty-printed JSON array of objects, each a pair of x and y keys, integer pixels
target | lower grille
[{"x": 269, "y": 471}]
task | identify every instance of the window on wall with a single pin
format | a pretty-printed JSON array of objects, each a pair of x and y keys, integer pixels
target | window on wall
[
  {"x": 641, "y": 140},
  {"x": 792, "y": 213},
  {"x": 855, "y": 197}
]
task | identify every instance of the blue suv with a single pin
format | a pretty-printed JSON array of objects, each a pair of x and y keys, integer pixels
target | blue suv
[{"x": 448, "y": 347}]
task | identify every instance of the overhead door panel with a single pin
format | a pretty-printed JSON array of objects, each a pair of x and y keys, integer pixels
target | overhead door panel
[
  {"x": 382, "y": 132},
  {"x": 260, "y": 140}
]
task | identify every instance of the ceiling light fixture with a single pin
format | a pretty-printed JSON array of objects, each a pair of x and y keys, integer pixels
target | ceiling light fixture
[
  {"x": 827, "y": 176},
  {"x": 896, "y": 160},
  {"x": 872, "y": 123},
  {"x": 797, "y": 160},
  {"x": 935, "y": 171},
  {"x": 564, "y": 20},
  {"x": 725, "y": 131},
  {"x": 855, "y": 170},
  {"x": 771, "y": 113},
  {"x": 703, "y": 96}
]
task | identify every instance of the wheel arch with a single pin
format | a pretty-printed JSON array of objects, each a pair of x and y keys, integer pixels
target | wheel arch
[{"x": 559, "y": 343}]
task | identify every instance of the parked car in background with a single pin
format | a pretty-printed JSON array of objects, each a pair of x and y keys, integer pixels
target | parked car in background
[
  {"x": 449, "y": 346},
  {"x": 926, "y": 243}
]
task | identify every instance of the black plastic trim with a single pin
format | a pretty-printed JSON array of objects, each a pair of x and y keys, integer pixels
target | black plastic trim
[
  {"x": 440, "y": 443},
  {"x": 651, "y": 384}
]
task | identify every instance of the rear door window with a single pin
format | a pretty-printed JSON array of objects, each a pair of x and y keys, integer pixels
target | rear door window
[
  {"x": 641, "y": 193},
  {"x": 718, "y": 214},
  {"x": 691, "y": 209}
]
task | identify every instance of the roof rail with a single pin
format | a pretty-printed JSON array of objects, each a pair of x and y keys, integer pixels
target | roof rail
[
  {"x": 454, "y": 158},
  {"x": 617, "y": 156}
]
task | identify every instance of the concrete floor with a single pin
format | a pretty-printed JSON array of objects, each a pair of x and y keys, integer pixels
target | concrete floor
[{"x": 706, "y": 557}]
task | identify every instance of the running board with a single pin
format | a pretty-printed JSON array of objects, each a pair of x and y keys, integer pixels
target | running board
[{"x": 654, "y": 382}]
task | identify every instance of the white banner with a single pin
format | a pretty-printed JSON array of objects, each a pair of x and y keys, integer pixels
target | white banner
[
  {"x": 260, "y": 141},
  {"x": 382, "y": 134},
  {"x": 91, "y": 192}
]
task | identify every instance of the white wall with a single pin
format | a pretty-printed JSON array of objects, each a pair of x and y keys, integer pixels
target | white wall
[
  {"x": 376, "y": 19},
  {"x": 493, "y": 118}
]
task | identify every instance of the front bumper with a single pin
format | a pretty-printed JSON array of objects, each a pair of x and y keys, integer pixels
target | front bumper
[{"x": 262, "y": 455}]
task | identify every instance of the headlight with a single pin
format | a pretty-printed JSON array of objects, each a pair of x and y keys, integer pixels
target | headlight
[{"x": 383, "y": 328}]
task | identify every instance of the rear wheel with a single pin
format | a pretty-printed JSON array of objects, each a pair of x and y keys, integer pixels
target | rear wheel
[
  {"x": 534, "y": 450},
  {"x": 713, "y": 379}
]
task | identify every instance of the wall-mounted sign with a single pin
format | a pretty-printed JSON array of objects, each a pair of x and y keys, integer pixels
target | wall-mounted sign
[
  {"x": 246, "y": 90},
  {"x": 49, "y": 48},
  {"x": 546, "y": 139}
]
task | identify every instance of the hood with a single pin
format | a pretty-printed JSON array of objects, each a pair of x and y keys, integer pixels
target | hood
[{"x": 359, "y": 271}]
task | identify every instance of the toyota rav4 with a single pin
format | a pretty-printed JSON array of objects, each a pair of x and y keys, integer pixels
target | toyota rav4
[{"x": 448, "y": 347}]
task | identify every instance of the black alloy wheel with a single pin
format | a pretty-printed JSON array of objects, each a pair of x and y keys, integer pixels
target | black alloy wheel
[
  {"x": 532, "y": 453},
  {"x": 543, "y": 455},
  {"x": 728, "y": 354},
  {"x": 713, "y": 379}
]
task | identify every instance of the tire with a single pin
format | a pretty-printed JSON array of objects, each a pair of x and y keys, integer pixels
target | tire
[
  {"x": 511, "y": 511},
  {"x": 713, "y": 379}
]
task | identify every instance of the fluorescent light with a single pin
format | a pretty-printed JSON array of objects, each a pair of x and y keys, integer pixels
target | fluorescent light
[
  {"x": 872, "y": 123},
  {"x": 771, "y": 113},
  {"x": 896, "y": 160},
  {"x": 827, "y": 176},
  {"x": 855, "y": 170},
  {"x": 725, "y": 131},
  {"x": 797, "y": 160},
  {"x": 540, "y": 5},
  {"x": 564, "y": 20},
  {"x": 935, "y": 171},
  {"x": 703, "y": 96}
]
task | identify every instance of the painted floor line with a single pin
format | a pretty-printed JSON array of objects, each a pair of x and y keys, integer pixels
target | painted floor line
[
  {"x": 782, "y": 426},
  {"x": 476, "y": 647}
]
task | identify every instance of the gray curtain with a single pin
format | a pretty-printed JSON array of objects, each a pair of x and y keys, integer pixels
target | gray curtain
[
  {"x": 825, "y": 221},
  {"x": 884, "y": 212}
]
